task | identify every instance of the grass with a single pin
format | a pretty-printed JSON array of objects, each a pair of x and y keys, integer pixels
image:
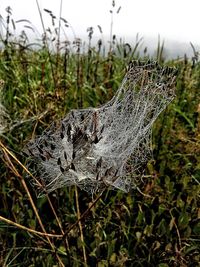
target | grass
[{"x": 158, "y": 226}]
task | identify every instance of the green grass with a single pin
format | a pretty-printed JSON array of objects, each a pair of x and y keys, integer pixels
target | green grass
[{"x": 158, "y": 227}]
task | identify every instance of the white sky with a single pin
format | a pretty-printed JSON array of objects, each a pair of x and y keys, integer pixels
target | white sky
[{"x": 172, "y": 19}]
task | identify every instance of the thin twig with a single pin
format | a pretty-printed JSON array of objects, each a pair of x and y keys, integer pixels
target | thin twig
[
  {"x": 84, "y": 213},
  {"x": 177, "y": 230},
  {"x": 5, "y": 150},
  {"x": 80, "y": 227},
  {"x": 46, "y": 43},
  {"x": 40, "y": 185},
  {"x": 28, "y": 229}
]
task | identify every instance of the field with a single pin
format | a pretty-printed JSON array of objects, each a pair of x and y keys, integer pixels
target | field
[{"x": 156, "y": 224}]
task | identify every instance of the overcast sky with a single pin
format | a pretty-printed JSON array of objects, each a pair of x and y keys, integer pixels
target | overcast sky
[{"x": 172, "y": 19}]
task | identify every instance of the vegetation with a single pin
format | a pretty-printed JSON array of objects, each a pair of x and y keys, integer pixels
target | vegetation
[{"x": 155, "y": 225}]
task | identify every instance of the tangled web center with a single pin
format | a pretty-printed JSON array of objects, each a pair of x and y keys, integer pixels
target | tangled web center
[{"x": 109, "y": 145}]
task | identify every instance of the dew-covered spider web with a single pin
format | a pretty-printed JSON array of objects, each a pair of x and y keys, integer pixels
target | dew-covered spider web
[{"x": 110, "y": 145}]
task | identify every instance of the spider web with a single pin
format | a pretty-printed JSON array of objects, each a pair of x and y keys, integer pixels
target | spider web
[{"x": 110, "y": 145}]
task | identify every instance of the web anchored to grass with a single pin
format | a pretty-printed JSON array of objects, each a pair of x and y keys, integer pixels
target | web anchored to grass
[{"x": 110, "y": 145}]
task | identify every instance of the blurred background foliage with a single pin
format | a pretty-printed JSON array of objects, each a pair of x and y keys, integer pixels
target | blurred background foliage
[{"x": 157, "y": 225}]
